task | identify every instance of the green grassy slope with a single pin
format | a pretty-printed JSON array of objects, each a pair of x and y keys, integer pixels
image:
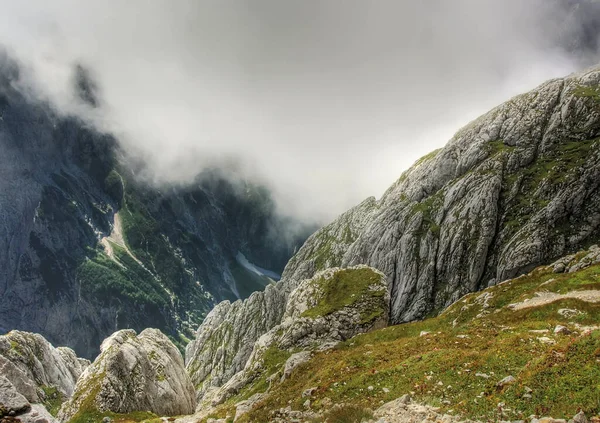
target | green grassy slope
[{"x": 468, "y": 349}]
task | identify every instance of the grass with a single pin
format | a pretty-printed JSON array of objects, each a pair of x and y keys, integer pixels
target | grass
[
  {"x": 589, "y": 92},
  {"x": 97, "y": 416},
  {"x": 476, "y": 335},
  {"x": 53, "y": 399},
  {"x": 345, "y": 288},
  {"x": 346, "y": 414},
  {"x": 538, "y": 182}
]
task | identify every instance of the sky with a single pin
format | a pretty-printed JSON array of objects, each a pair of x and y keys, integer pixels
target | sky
[{"x": 326, "y": 102}]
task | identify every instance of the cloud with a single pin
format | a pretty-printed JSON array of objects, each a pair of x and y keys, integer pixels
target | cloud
[{"x": 326, "y": 102}]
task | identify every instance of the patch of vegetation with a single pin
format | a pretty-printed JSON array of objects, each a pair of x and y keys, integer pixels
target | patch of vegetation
[
  {"x": 53, "y": 399},
  {"x": 273, "y": 360},
  {"x": 345, "y": 288},
  {"x": 428, "y": 208},
  {"x": 113, "y": 185},
  {"x": 586, "y": 91},
  {"x": 469, "y": 348},
  {"x": 427, "y": 157},
  {"x": 497, "y": 147},
  {"x": 96, "y": 416},
  {"x": 559, "y": 166},
  {"x": 102, "y": 277},
  {"x": 346, "y": 413}
]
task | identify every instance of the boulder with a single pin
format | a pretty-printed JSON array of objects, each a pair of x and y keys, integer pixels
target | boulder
[
  {"x": 142, "y": 372},
  {"x": 29, "y": 361},
  {"x": 11, "y": 401}
]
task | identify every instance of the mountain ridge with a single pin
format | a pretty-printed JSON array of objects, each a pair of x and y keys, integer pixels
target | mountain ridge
[{"x": 512, "y": 190}]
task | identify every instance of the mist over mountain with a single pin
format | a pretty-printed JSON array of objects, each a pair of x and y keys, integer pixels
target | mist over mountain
[
  {"x": 86, "y": 247},
  {"x": 324, "y": 103}
]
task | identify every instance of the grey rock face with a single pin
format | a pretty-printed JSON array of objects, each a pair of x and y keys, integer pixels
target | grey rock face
[
  {"x": 224, "y": 341},
  {"x": 134, "y": 373},
  {"x": 334, "y": 305},
  {"x": 512, "y": 190},
  {"x": 315, "y": 315},
  {"x": 29, "y": 362},
  {"x": 11, "y": 402}
]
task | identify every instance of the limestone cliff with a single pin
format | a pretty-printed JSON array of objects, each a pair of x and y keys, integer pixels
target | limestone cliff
[{"x": 516, "y": 188}]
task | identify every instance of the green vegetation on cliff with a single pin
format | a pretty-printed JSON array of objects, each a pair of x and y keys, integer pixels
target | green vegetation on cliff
[
  {"x": 455, "y": 361},
  {"x": 343, "y": 289}
]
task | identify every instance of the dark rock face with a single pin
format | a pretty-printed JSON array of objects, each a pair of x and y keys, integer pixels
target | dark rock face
[{"x": 86, "y": 250}]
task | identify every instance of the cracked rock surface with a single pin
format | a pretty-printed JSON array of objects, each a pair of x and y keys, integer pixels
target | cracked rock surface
[
  {"x": 132, "y": 373},
  {"x": 514, "y": 189}
]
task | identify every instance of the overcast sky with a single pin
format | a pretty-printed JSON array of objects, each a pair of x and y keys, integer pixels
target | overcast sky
[{"x": 325, "y": 101}]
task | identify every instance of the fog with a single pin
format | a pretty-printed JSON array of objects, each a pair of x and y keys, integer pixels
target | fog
[{"x": 326, "y": 102}]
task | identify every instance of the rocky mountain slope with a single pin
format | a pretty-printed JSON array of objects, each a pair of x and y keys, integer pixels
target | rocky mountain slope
[
  {"x": 496, "y": 355},
  {"x": 525, "y": 348},
  {"x": 35, "y": 377},
  {"x": 516, "y": 188},
  {"x": 86, "y": 249}
]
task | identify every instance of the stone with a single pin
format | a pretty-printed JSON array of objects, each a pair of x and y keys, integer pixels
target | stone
[
  {"x": 133, "y": 372},
  {"x": 568, "y": 312},
  {"x": 37, "y": 414},
  {"x": 309, "y": 392},
  {"x": 294, "y": 361},
  {"x": 580, "y": 418},
  {"x": 29, "y": 361},
  {"x": 11, "y": 401},
  {"x": 508, "y": 380},
  {"x": 245, "y": 406},
  {"x": 560, "y": 329}
]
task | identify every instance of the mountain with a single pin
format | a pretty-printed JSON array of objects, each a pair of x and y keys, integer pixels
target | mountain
[
  {"x": 491, "y": 241},
  {"x": 520, "y": 350},
  {"x": 513, "y": 190},
  {"x": 86, "y": 248}
]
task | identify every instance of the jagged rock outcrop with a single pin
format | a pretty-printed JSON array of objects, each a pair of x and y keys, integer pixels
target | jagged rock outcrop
[
  {"x": 14, "y": 407},
  {"x": 11, "y": 401},
  {"x": 32, "y": 365},
  {"x": 224, "y": 341},
  {"x": 142, "y": 372},
  {"x": 333, "y": 306},
  {"x": 516, "y": 188}
]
